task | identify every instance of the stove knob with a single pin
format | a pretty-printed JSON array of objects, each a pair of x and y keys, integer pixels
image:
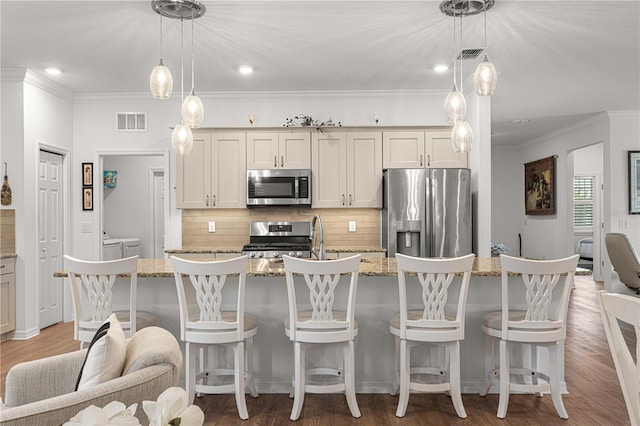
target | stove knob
[
  {"x": 260, "y": 254},
  {"x": 252, "y": 255},
  {"x": 276, "y": 255},
  {"x": 299, "y": 254},
  {"x": 292, "y": 254}
]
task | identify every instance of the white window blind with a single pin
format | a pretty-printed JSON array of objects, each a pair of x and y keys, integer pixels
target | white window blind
[{"x": 583, "y": 201}]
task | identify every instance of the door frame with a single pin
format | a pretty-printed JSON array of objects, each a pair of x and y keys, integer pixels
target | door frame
[
  {"x": 98, "y": 195},
  {"x": 67, "y": 305},
  {"x": 153, "y": 172}
]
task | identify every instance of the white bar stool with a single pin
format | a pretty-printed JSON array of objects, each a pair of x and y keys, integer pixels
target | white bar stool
[
  {"x": 542, "y": 324},
  {"x": 209, "y": 325},
  {"x": 321, "y": 324},
  {"x": 430, "y": 324}
]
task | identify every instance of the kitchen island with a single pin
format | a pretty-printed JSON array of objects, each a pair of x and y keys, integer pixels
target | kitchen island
[{"x": 376, "y": 301}]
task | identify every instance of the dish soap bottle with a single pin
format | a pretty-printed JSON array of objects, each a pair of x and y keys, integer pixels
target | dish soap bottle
[{"x": 5, "y": 192}]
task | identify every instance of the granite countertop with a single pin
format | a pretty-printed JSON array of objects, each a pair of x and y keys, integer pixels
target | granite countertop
[
  {"x": 377, "y": 267},
  {"x": 8, "y": 255},
  {"x": 238, "y": 250}
]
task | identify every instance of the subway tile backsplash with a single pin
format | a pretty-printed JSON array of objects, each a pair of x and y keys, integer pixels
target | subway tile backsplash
[{"x": 232, "y": 225}]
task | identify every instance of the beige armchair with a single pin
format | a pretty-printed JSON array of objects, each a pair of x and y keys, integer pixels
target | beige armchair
[
  {"x": 624, "y": 259},
  {"x": 42, "y": 392}
]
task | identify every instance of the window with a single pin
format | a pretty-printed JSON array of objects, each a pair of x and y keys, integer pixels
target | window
[{"x": 583, "y": 201}]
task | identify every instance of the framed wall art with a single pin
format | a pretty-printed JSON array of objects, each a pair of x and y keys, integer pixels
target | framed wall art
[
  {"x": 634, "y": 182},
  {"x": 87, "y": 198},
  {"x": 539, "y": 187},
  {"x": 87, "y": 174}
]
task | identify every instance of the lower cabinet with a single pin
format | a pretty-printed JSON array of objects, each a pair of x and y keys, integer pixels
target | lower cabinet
[{"x": 7, "y": 295}]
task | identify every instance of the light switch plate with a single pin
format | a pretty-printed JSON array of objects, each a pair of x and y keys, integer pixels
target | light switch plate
[
  {"x": 352, "y": 226},
  {"x": 212, "y": 227}
]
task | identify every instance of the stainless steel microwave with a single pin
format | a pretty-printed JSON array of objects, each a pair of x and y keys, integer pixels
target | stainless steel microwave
[{"x": 279, "y": 187}]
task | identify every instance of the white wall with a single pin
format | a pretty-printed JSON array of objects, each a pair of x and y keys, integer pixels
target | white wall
[
  {"x": 126, "y": 208},
  {"x": 507, "y": 185}
]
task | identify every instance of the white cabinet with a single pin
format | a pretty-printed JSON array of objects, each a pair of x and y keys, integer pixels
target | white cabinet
[
  {"x": 278, "y": 150},
  {"x": 213, "y": 174},
  {"x": 420, "y": 149},
  {"x": 7, "y": 295},
  {"x": 347, "y": 169}
]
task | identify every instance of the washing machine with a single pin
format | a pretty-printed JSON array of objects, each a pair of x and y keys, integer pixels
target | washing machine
[
  {"x": 111, "y": 249},
  {"x": 131, "y": 246}
]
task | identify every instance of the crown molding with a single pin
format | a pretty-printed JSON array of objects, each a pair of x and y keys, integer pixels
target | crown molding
[
  {"x": 600, "y": 116},
  {"x": 12, "y": 74},
  {"x": 228, "y": 96},
  {"x": 624, "y": 114}
]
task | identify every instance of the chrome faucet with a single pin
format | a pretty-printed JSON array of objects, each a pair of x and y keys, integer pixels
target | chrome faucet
[{"x": 320, "y": 252}]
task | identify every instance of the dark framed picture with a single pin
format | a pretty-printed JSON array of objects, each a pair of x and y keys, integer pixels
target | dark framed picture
[
  {"x": 87, "y": 198},
  {"x": 87, "y": 174},
  {"x": 634, "y": 182},
  {"x": 539, "y": 187}
]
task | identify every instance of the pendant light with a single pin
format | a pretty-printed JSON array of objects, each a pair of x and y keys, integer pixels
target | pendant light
[
  {"x": 181, "y": 137},
  {"x": 160, "y": 80},
  {"x": 192, "y": 108},
  {"x": 455, "y": 105},
  {"x": 485, "y": 78},
  {"x": 461, "y": 134}
]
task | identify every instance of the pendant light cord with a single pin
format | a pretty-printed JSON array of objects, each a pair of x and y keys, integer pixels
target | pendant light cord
[
  {"x": 455, "y": 53},
  {"x": 182, "y": 57},
  {"x": 160, "y": 37},
  {"x": 484, "y": 10},
  {"x": 460, "y": 50},
  {"x": 193, "y": 67}
]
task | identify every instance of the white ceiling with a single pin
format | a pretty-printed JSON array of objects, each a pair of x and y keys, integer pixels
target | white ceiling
[{"x": 560, "y": 61}]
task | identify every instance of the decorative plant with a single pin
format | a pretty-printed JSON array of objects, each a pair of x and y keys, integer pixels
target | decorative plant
[{"x": 304, "y": 120}]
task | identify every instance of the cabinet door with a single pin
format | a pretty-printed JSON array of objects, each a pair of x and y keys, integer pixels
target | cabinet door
[
  {"x": 228, "y": 171},
  {"x": 193, "y": 175},
  {"x": 440, "y": 154},
  {"x": 403, "y": 150},
  {"x": 294, "y": 150},
  {"x": 262, "y": 150},
  {"x": 7, "y": 297},
  {"x": 364, "y": 169},
  {"x": 329, "y": 181}
]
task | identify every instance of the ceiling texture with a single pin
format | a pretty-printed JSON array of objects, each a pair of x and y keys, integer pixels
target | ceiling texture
[{"x": 559, "y": 61}]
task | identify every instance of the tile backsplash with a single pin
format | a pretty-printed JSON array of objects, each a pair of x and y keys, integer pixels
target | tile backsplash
[
  {"x": 7, "y": 231},
  {"x": 232, "y": 225}
]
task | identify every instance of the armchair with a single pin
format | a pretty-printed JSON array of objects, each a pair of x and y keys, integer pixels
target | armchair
[{"x": 42, "y": 392}]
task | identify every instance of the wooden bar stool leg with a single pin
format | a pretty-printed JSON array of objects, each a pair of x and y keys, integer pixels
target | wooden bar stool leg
[
  {"x": 349, "y": 382},
  {"x": 238, "y": 354},
  {"x": 405, "y": 377},
  {"x": 190, "y": 368},
  {"x": 504, "y": 380},
  {"x": 251, "y": 384},
  {"x": 554, "y": 379},
  {"x": 489, "y": 354},
  {"x": 396, "y": 377},
  {"x": 454, "y": 378},
  {"x": 299, "y": 380}
]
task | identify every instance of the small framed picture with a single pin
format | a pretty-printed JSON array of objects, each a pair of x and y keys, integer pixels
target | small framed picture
[
  {"x": 634, "y": 182},
  {"x": 87, "y": 174},
  {"x": 87, "y": 198}
]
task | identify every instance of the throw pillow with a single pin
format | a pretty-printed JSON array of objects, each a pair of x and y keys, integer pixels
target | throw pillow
[{"x": 105, "y": 356}]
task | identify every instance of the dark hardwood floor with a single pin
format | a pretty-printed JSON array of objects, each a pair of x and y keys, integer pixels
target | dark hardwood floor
[{"x": 594, "y": 395}]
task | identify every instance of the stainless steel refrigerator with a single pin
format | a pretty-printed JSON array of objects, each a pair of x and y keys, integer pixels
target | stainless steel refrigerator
[{"x": 427, "y": 212}]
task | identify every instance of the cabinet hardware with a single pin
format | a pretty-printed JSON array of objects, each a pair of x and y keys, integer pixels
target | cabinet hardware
[
  {"x": 428, "y": 160},
  {"x": 1, "y": 267},
  {"x": 350, "y": 203},
  {"x": 214, "y": 201},
  {"x": 343, "y": 199},
  {"x": 420, "y": 160},
  {"x": 207, "y": 201},
  {"x": 275, "y": 161},
  {"x": 282, "y": 161}
]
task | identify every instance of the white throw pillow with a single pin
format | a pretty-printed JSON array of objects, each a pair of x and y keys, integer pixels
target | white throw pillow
[{"x": 105, "y": 356}]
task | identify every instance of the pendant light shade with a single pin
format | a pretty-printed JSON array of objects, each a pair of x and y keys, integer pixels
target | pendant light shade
[
  {"x": 461, "y": 136},
  {"x": 182, "y": 139},
  {"x": 455, "y": 106},
  {"x": 485, "y": 78},
  {"x": 161, "y": 82},
  {"x": 192, "y": 111}
]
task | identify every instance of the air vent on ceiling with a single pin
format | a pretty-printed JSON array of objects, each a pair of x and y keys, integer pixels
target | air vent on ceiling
[
  {"x": 131, "y": 122},
  {"x": 468, "y": 54}
]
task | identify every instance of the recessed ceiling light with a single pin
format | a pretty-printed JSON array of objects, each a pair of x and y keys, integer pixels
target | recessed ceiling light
[
  {"x": 53, "y": 71},
  {"x": 440, "y": 68},
  {"x": 245, "y": 69}
]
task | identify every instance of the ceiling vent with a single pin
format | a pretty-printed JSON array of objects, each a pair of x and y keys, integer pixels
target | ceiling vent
[
  {"x": 469, "y": 54},
  {"x": 131, "y": 122}
]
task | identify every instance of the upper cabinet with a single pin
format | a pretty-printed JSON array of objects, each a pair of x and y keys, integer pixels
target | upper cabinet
[
  {"x": 347, "y": 169},
  {"x": 213, "y": 174},
  {"x": 279, "y": 150},
  {"x": 420, "y": 149}
]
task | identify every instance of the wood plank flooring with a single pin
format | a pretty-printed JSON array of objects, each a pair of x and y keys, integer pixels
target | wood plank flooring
[{"x": 594, "y": 396}]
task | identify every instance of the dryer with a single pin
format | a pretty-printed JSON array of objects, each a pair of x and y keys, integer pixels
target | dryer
[
  {"x": 111, "y": 249},
  {"x": 131, "y": 246}
]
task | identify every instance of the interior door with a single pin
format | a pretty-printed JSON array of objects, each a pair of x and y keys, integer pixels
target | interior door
[
  {"x": 49, "y": 238},
  {"x": 157, "y": 213}
]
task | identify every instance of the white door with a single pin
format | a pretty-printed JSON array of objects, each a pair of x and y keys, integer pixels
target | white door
[
  {"x": 49, "y": 238},
  {"x": 157, "y": 214}
]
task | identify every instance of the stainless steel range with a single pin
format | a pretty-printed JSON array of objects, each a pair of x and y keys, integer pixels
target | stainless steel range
[{"x": 271, "y": 240}]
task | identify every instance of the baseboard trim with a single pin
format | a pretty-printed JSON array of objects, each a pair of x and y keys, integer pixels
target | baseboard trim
[{"x": 25, "y": 335}]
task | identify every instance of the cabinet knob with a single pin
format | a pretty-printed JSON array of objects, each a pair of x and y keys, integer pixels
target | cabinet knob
[
  {"x": 350, "y": 203},
  {"x": 429, "y": 160},
  {"x": 214, "y": 200},
  {"x": 343, "y": 199}
]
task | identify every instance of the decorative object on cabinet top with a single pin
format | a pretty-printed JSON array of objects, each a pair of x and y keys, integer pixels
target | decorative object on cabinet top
[{"x": 304, "y": 120}]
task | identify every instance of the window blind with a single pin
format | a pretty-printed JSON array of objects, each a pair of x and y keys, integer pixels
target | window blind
[{"x": 583, "y": 201}]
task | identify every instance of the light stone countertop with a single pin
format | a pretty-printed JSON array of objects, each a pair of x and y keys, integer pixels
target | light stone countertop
[
  {"x": 238, "y": 250},
  {"x": 8, "y": 255},
  {"x": 377, "y": 267}
]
